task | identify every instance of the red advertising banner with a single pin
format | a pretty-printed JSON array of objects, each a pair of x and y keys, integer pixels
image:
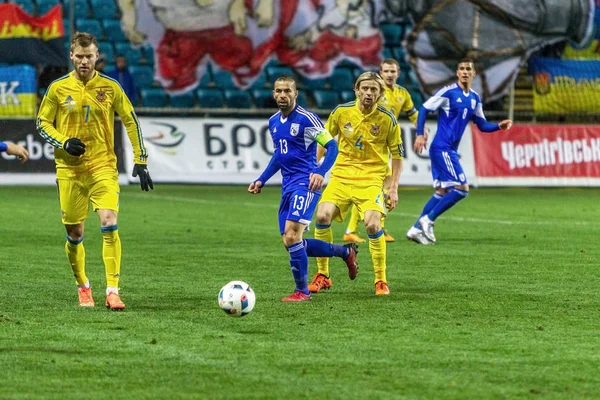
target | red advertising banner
[{"x": 538, "y": 151}]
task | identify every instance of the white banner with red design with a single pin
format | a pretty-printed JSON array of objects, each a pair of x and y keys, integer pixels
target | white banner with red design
[
  {"x": 236, "y": 151},
  {"x": 538, "y": 155}
]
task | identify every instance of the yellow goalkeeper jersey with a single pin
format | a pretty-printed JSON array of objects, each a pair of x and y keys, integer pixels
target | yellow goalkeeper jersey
[
  {"x": 365, "y": 142},
  {"x": 71, "y": 109},
  {"x": 397, "y": 100}
]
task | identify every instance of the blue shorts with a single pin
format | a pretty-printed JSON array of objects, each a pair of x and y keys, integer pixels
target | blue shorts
[
  {"x": 298, "y": 205},
  {"x": 446, "y": 169}
]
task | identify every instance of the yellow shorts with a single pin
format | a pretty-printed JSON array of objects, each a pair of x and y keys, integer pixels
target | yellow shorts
[
  {"x": 365, "y": 196},
  {"x": 101, "y": 188}
]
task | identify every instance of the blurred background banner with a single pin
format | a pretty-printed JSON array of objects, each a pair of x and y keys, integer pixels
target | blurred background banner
[
  {"x": 564, "y": 86},
  {"x": 539, "y": 154},
  {"x": 25, "y": 39},
  {"x": 18, "y": 94}
]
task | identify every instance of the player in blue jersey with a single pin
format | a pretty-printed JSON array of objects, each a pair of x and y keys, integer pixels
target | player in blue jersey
[
  {"x": 15, "y": 150},
  {"x": 458, "y": 105},
  {"x": 295, "y": 132}
]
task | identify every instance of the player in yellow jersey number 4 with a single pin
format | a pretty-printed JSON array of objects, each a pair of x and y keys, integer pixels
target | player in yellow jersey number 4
[
  {"x": 368, "y": 134},
  {"x": 82, "y": 104}
]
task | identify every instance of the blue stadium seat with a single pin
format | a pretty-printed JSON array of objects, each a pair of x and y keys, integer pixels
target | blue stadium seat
[
  {"x": 113, "y": 31},
  {"x": 325, "y": 99},
  {"x": 260, "y": 82},
  {"x": 148, "y": 54},
  {"x": 392, "y": 34},
  {"x": 106, "y": 49},
  {"x": 238, "y": 98},
  {"x": 67, "y": 28},
  {"x": 210, "y": 97},
  {"x": 91, "y": 26},
  {"x": 347, "y": 96},
  {"x": 132, "y": 55},
  {"x": 26, "y": 5},
  {"x": 153, "y": 97},
  {"x": 400, "y": 55},
  {"x": 143, "y": 75},
  {"x": 412, "y": 79},
  {"x": 185, "y": 100},
  {"x": 313, "y": 84},
  {"x": 223, "y": 79},
  {"x": 104, "y": 9},
  {"x": 205, "y": 79},
  {"x": 43, "y": 6},
  {"x": 341, "y": 79},
  {"x": 417, "y": 98},
  {"x": 109, "y": 67},
  {"x": 263, "y": 98},
  {"x": 387, "y": 52},
  {"x": 274, "y": 72},
  {"x": 302, "y": 99},
  {"x": 82, "y": 8}
]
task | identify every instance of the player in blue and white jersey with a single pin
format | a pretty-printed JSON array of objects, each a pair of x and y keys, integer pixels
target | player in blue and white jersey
[
  {"x": 296, "y": 132},
  {"x": 458, "y": 105}
]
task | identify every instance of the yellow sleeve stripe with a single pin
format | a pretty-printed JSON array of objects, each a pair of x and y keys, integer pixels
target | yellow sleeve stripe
[
  {"x": 144, "y": 153},
  {"x": 46, "y": 136},
  {"x": 394, "y": 122}
]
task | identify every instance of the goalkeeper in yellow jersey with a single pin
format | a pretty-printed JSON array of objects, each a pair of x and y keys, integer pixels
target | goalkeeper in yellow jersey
[
  {"x": 76, "y": 116},
  {"x": 368, "y": 134},
  {"x": 397, "y": 100}
]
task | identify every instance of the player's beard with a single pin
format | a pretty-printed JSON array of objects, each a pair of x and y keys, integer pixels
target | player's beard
[{"x": 86, "y": 74}]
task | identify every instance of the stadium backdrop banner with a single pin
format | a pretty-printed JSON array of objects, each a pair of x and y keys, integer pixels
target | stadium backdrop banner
[
  {"x": 39, "y": 170},
  {"x": 538, "y": 155},
  {"x": 32, "y": 40},
  {"x": 564, "y": 86},
  {"x": 18, "y": 97},
  {"x": 236, "y": 151},
  {"x": 313, "y": 37}
]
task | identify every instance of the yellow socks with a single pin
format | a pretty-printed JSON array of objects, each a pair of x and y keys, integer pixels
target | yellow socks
[
  {"x": 76, "y": 254},
  {"x": 324, "y": 233},
  {"x": 111, "y": 254},
  {"x": 354, "y": 220},
  {"x": 377, "y": 247}
]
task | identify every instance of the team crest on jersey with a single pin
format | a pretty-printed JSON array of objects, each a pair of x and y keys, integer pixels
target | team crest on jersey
[
  {"x": 473, "y": 103},
  {"x": 348, "y": 129},
  {"x": 294, "y": 129},
  {"x": 375, "y": 129},
  {"x": 100, "y": 95}
]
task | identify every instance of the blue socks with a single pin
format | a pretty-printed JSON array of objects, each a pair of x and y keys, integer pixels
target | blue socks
[
  {"x": 446, "y": 202},
  {"x": 428, "y": 207},
  {"x": 299, "y": 266},
  {"x": 319, "y": 248}
]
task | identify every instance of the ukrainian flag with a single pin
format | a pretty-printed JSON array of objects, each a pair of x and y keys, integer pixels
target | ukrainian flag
[{"x": 18, "y": 97}]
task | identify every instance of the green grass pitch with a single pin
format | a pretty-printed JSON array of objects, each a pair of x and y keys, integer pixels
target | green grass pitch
[{"x": 505, "y": 306}]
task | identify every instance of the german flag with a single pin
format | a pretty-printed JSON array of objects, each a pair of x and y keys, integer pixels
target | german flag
[{"x": 25, "y": 39}]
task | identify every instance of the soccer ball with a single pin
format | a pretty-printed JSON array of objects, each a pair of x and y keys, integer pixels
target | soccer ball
[{"x": 237, "y": 298}]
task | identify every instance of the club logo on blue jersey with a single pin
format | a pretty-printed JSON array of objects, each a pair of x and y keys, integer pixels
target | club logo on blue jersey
[
  {"x": 473, "y": 103},
  {"x": 294, "y": 129},
  {"x": 69, "y": 102}
]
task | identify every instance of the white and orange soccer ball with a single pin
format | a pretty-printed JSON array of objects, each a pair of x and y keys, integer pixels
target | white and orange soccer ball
[{"x": 237, "y": 298}]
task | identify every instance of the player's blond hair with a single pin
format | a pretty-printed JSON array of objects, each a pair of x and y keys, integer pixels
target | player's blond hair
[
  {"x": 371, "y": 76},
  {"x": 83, "y": 39}
]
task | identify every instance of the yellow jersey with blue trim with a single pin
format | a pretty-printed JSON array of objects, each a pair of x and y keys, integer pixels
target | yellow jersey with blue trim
[
  {"x": 365, "y": 142},
  {"x": 74, "y": 109},
  {"x": 397, "y": 100}
]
